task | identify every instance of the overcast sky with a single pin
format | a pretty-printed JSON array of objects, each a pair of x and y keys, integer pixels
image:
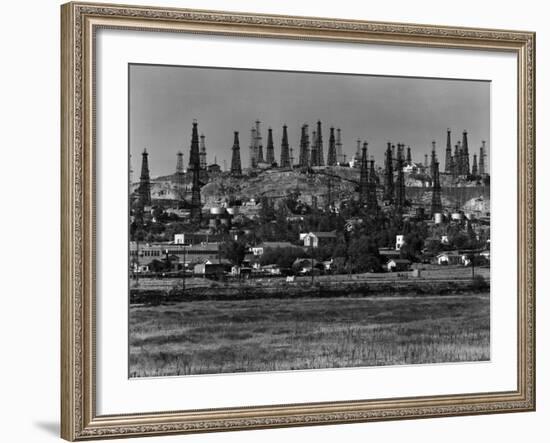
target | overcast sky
[{"x": 164, "y": 100}]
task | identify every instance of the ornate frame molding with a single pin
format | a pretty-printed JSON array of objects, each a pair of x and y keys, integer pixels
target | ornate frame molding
[{"x": 79, "y": 420}]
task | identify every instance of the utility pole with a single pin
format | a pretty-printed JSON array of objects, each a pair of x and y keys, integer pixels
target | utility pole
[
  {"x": 311, "y": 246},
  {"x": 184, "y": 263}
]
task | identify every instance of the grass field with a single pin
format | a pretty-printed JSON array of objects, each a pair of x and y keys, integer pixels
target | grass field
[{"x": 205, "y": 337}]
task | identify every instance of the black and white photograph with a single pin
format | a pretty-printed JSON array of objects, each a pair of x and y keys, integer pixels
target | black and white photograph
[{"x": 286, "y": 220}]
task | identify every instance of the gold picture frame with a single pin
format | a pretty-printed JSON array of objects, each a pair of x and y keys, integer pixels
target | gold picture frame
[{"x": 79, "y": 22}]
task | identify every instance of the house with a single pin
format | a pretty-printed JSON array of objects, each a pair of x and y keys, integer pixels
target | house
[
  {"x": 303, "y": 265},
  {"x": 214, "y": 168},
  {"x": 271, "y": 269},
  {"x": 399, "y": 242},
  {"x": 413, "y": 168},
  {"x": 241, "y": 271},
  {"x": 208, "y": 269},
  {"x": 327, "y": 264},
  {"x": 252, "y": 261},
  {"x": 398, "y": 265},
  {"x": 262, "y": 247},
  {"x": 486, "y": 255},
  {"x": 139, "y": 269},
  {"x": 449, "y": 258},
  {"x": 315, "y": 239}
]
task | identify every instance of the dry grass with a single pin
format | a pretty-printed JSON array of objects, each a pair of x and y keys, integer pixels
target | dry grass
[{"x": 204, "y": 337}]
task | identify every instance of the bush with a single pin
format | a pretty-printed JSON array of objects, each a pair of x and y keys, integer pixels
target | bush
[{"x": 479, "y": 283}]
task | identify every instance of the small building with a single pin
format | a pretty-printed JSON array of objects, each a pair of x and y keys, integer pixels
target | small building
[
  {"x": 271, "y": 269},
  {"x": 304, "y": 265},
  {"x": 449, "y": 258},
  {"x": 140, "y": 269},
  {"x": 399, "y": 242},
  {"x": 327, "y": 264},
  {"x": 316, "y": 239},
  {"x": 214, "y": 169},
  {"x": 398, "y": 265},
  {"x": 209, "y": 269},
  {"x": 251, "y": 261},
  {"x": 262, "y": 247}
]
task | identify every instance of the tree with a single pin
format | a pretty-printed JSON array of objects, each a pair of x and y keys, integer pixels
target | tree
[
  {"x": 234, "y": 251},
  {"x": 282, "y": 257},
  {"x": 433, "y": 246},
  {"x": 412, "y": 248},
  {"x": 364, "y": 256},
  {"x": 459, "y": 240}
]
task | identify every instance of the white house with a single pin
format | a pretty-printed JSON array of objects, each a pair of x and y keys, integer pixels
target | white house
[
  {"x": 271, "y": 269},
  {"x": 314, "y": 239},
  {"x": 399, "y": 242},
  {"x": 398, "y": 264},
  {"x": 449, "y": 258}
]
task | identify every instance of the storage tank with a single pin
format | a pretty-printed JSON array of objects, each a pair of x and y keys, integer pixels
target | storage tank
[
  {"x": 216, "y": 210},
  {"x": 456, "y": 216},
  {"x": 438, "y": 218}
]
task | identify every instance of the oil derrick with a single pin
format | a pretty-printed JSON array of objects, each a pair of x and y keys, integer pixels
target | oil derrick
[
  {"x": 448, "y": 153},
  {"x": 202, "y": 153},
  {"x": 320, "y": 155},
  {"x": 409, "y": 156},
  {"x": 357, "y": 156},
  {"x": 304, "y": 148},
  {"x": 253, "y": 149},
  {"x": 339, "y": 154},
  {"x": 291, "y": 157},
  {"x": 179, "y": 163},
  {"x": 329, "y": 192},
  {"x": 194, "y": 166},
  {"x": 372, "y": 201},
  {"x": 180, "y": 176},
  {"x": 388, "y": 176},
  {"x": 270, "y": 150},
  {"x": 258, "y": 145},
  {"x": 425, "y": 160},
  {"x": 194, "y": 155},
  {"x": 453, "y": 168},
  {"x": 433, "y": 157},
  {"x": 313, "y": 152},
  {"x": 459, "y": 158},
  {"x": 474, "y": 166},
  {"x": 236, "y": 169},
  {"x": 144, "y": 190},
  {"x": 399, "y": 200},
  {"x": 482, "y": 154},
  {"x": 331, "y": 158},
  {"x": 465, "y": 154},
  {"x": 364, "y": 178},
  {"x": 436, "y": 190},
  {"x": 456, "y": 161},
  {"x": 394, "y": 156},
  {"x": 285, "y": 155}
]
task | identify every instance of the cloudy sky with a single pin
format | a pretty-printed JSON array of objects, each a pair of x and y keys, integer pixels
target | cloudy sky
[{"x": 164, "y": 100}]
